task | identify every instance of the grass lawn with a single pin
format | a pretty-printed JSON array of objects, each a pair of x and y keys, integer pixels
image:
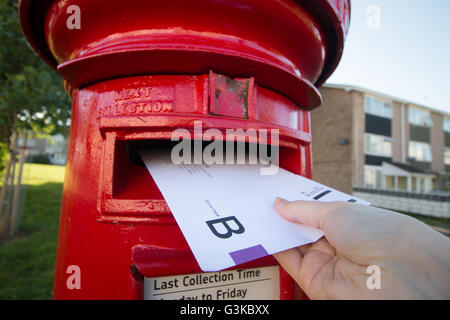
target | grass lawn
[
  {"x": 429, "y": 220},
  {"x": 27, "y": 261}
]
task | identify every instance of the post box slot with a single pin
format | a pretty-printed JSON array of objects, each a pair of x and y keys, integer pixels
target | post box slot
[
  {"x": 132, "y": 190},
  {"x": 131, "y": 179}
]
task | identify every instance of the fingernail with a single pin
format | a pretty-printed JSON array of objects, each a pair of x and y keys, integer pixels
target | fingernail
[{"x": 280, "y": 201}]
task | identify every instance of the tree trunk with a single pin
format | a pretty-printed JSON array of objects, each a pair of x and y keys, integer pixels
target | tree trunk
[
  {"x": 16, "y": 198},
  {"x": 4, "y": 207}
]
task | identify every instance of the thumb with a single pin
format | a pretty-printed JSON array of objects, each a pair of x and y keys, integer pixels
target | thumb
[{"x": 310, "y": 213}]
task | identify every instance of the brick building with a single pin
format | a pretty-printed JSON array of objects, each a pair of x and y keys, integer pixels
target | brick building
[{"x": 366, "y": 139}]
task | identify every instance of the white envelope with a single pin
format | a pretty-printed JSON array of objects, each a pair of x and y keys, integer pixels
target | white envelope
[{"x": 226, "y": 211}]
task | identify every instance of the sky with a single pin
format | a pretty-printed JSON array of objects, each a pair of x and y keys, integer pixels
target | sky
[{"x": 400, "y": 48}]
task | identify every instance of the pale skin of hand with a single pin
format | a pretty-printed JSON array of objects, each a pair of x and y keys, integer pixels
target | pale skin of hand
[{"x": 413, "y": 258}]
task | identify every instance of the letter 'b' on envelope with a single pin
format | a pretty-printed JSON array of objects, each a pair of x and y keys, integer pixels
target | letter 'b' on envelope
[{"x": 226, "y": 212}]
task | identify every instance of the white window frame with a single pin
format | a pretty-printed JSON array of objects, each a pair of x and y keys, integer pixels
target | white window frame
[
  {"x": 378, "y": 153},
  {"x": 426, "y": 151},
  {"x": 377, "y": 175},
  {"x": 447, "y": 156},
  {"x": 446, "y": 124},
  {"x": 383, "y": 110},
  {"x": 419, "y": 116}
]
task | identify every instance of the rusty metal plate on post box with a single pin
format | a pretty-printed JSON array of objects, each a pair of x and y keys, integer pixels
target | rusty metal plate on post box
[{"x": 230, "y": 97}]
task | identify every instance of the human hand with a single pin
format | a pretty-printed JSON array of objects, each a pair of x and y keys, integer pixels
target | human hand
[{"x": 413, "y": 258}]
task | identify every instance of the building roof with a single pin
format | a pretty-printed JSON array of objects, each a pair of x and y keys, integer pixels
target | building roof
[
  {"x": 407, "y": 167},
  {"x": 381, "y": 95}
]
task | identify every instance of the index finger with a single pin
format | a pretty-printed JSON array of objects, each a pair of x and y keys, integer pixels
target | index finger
[{"x": 310, "y": 213}]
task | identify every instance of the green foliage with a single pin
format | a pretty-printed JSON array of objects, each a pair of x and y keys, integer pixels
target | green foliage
[
  {"x": 3, "y": 154},
  {"x": 36, "y": 97},
  {"x": 31, "y": 93},
  {"x": 40, "y": 158},
  {"x": 14, "y": 51}
]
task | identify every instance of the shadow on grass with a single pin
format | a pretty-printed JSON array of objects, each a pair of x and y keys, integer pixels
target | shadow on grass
[{"x": 27, "y": 260}]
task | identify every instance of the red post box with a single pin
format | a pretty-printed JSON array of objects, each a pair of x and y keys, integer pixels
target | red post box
[{"x": 140, "y": 69}]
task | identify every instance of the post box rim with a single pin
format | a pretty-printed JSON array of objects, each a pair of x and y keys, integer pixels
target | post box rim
[{"x": 32, "y": 24}]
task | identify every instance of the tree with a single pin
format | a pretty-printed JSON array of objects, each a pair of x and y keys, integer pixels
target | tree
[
  {"x": 31, "y": 93},
  {"x": 32, "y": 99}
]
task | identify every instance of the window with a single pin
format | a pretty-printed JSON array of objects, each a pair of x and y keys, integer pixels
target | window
[
  {"x": 377, "y": 145},
  {"x": 414, "y": 184},
  {"x": 447, "y": 156},
  {"x": 372, "y": 178},
  {"x": 402, "y": 183},
  {"x": 378, "y": 107},
  {"x": 390, "y": 182},
  {"x": 422, "y": 184},
  {"x": 419, "y": 117},
  {"x": 419, "y": 151},
  {"x": 446, "y": 124}
]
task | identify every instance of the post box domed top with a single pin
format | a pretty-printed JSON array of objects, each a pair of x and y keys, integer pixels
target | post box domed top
[{"x": 288, "y": 45}]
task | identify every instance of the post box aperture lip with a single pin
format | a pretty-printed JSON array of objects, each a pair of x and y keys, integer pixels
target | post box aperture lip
[
  {"x": 128, "y": 190},
  {"x": 324, "y": 25}
]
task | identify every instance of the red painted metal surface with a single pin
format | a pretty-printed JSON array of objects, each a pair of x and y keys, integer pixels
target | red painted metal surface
[
  {"x": 286, "y": 45},
  {"x": 139, "y": 69}
]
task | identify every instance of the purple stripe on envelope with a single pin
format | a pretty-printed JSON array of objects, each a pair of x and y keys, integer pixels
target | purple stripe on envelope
[{"x": 248, "y": 254}]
